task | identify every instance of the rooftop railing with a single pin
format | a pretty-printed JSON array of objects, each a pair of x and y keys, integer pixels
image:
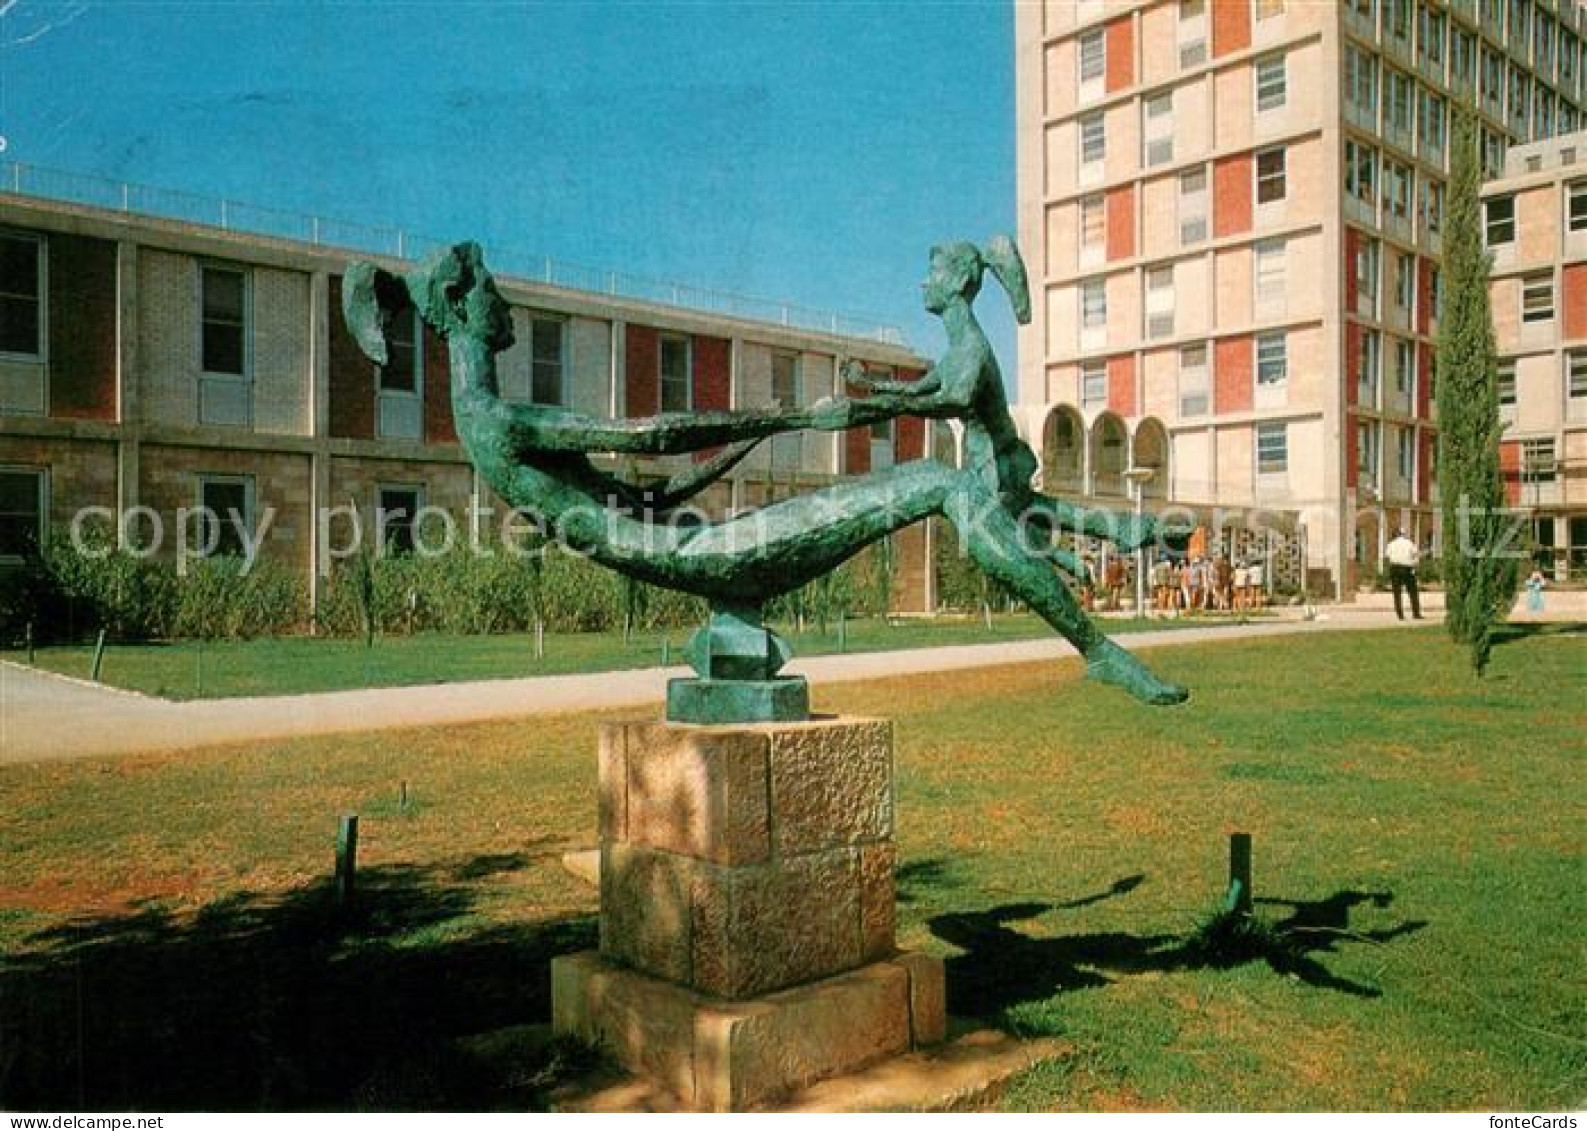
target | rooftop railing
[{"x": 238, "y": 216}]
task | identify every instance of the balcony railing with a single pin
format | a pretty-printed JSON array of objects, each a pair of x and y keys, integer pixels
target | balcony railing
[{"x": 239, "y": 216}]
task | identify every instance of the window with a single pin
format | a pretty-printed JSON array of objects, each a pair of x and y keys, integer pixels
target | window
[
  {"x": 1576, "y": 375},
  {"x": 1577, "y": 217},
  {"x": 1368, "y": 443},
  {"x": 1093, "y": 139},
  {"x": 1270, "y": 274},
  {"x": 1435, "y": 284},
  {"x": 1404, "y": 280},
  {"x": 1463, "y": 55},
  {"x": 1405, "y": 453},
  {"x": 1538, "y": 461},
  {"x": 1093, "y": 304},
  {"x": 1401, "y": 95},
  {"x": 225, "y": 515},
  {"x": 1432, "y": 121},
  {"x": 1493, "y": 146},
  {"x": 1402, "y": 367},
  {"x": 1093, "y": 227},
  {"x": 1398, "y": 22},
  {"x": 1361, "y": 172},
  {"x": 21, "y": 296},
  {"x": 1272, "y": 449},
  {"x": 1505, "y": 382},
  {"x": 676, "y": 386},
  {"x": 1520, "y": 97},
  {"x": 1093, "y": 384},
  {"x": 400, "y": 374},
  {"x": 1520, "y": 19},
  {"x": 1492, "y": 78},
  {"x": 1192, "y": 33},
  {"x": 1500, "y": 213},
  {"x": 1361, "y": 80},
  {"x": 22, "y": 510},
  {"x": 547, "y": 368},
  {"x": 1160, "y": 302},
  {"x": 1270, "y": 175},
  {"x": 1272, "y": 83},
  {"x": 786, "y": 380},
  {"x": 1193, "y": 381},
  {"x": 1367, "y": 264},
  {"x": 1093, "y": 58},
  {"x": 1537, "y": 298},
  {"x": 1430, "y": 45},
  {"x": 1267, "y": 9},
  {"x": 1396, "y": 190},
  {"x": 1432, "y": 204},
  {"x": 225, "y": 321},
  {"x": 1193, "y": 206},
  {"x": 397, "y": 519},
  {"x": 399, "y": 407},
  {"x": 1157, "y": 130},
  {"x": 1272, "y": 360},
  {"x": 1370, "y": 362}
]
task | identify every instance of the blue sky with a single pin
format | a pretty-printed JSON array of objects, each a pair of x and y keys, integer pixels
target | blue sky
[{"x": 805, "y": 152}]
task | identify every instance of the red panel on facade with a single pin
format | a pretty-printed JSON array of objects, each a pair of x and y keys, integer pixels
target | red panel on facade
[
  {"x": 1121, "y": 222},
  {"x": 1352, "y": 450},
  {"x": 1424, "y": 290},
  {"x": 909, "y": 436},
  {"x": 1352, "y": 360},
  {"x": 641, "y": 363},
  {"x": 712, "y": 380},
  {"x": 1510, "y": 469},
  {"x": 82, "y": 322},
  {"x": 438, "y": 426},
  {"x": 1573, "y": 298},
  {"x": 1232, "y": 375},
  {"x": 352, "y": 378},
  {"x": 857, "y": 451},
  {"x": 1120, "y": 54},
  {"x": 1231, "y": 26},
  {"x": 1121, "y": 384},
  {"x": 1352, "y": 247},
  {"x": 1425, "y": 442},
  {"x": 1231, "y": 195}
]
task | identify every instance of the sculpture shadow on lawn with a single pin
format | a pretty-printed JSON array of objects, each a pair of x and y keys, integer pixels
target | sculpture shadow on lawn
[{"x": 283, "y": 1001}]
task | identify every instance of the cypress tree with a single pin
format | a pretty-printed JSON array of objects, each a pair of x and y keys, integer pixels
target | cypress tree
[{"x": 1479, "y": 576}]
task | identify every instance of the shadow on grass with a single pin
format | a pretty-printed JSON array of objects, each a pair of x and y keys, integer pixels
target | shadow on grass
[
  {"x": 1000, "y": 968},
  {"x": 284, "y": 1002},
  {"x": 1511, "y": 633}
]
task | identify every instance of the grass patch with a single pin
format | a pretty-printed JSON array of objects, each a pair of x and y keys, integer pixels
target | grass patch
[
  {"x": 287, "y": 665},
  {"x": 1418, "y": 850}
]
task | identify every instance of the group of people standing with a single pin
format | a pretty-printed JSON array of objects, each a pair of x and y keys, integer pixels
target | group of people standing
[{"x": 1197, "y": 584}]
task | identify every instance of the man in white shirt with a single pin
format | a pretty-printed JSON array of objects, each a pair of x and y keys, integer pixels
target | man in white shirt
[{"x": 1403, "y": 557}]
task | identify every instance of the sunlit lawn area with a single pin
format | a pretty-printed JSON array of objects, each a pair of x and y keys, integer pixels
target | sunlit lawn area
[
  {"x": 287, "y": 665},
  {"x": 171, "y": 945}
]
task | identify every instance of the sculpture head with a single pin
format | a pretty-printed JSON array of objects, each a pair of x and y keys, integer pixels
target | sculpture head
[
  {"x": 452, "y": 290},
  {"x": 957, "y": 268}
]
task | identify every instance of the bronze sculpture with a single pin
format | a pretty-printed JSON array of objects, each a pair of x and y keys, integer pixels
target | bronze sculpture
[{"x": 537, "y": 459}]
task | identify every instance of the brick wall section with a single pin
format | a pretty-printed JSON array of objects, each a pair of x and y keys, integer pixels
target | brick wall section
[
  {"x": 642, "y": 361},
  {"x": 1352, "y": 247},
  {"x": 1573, "y": 298},
  {"x": 712, "y": 379},
  {"x": 1352, "y": 450},
  {"x": 909, "y": 434},
  {"x": 1352, "y": 360},
  {"x": 1231, "y": 26},
  {"x": 168, "y": 481},
  {"x": 352, "y": 378},
  {"x": 1120, "y": 54},
  {"x": 1121, "y": 385},
  {"x": 1424, "y": 387},
  {"x": 1232, "y": 374},
  {"x": 438, "y": 424},
  {"x": 1231, "y": 195},
  {"x": 856, "y": 443},
  {"x": 82, "y": 473},
  {"x": 1424, "y": 290},
  {"x": 446, "y": 485},
  {"x": 1425, "y": 442},
  {"x": 1121, "y": 222},
  {"x": 1510, "y": 470},
  {"x": 82, "y": 322}
]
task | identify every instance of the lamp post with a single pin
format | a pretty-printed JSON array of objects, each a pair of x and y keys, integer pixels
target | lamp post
[{"x": 1138, "y": 478}]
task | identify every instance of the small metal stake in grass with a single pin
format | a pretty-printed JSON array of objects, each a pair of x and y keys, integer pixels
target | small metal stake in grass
[
  {"x": 346, "y": 860},
  {"x": 30, "y": 643},
  {"x": 666, "y": 652},
  {"x": 402, "y": 799},
  {"x": 1239, "y": 898},
  {"x": 843, "y": 631},
  {"x": 99, "y": 655}
]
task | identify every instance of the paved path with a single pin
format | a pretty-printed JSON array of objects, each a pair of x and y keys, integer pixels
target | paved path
[{"x": 45, "y": 716}]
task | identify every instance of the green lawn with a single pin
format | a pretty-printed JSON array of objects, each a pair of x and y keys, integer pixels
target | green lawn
[
  {"x": 169, "y": 944},
  {"x": 288, "y": 665}
]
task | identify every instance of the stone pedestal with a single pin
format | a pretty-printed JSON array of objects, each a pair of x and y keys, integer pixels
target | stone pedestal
[{"x": 747, "y": 911}]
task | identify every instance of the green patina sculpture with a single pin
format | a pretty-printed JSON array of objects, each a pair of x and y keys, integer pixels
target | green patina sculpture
[{"x": 537, "y": 458}]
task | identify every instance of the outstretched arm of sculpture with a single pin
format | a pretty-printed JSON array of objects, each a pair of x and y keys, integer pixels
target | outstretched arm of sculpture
[{"x": 854, "y": 373}]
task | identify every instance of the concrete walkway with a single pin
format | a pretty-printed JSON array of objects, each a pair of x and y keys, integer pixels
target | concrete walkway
[{"x": 45, "y": 716}]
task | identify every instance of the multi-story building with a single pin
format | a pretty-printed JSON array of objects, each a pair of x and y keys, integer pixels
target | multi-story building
[
  {"x": 1535, "y": 219},
  {"x": 1233, "y": 211},
  {"x": 150, "y": 365}
]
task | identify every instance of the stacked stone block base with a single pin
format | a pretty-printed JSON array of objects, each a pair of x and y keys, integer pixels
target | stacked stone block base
[{"x": 747, "y": 938}]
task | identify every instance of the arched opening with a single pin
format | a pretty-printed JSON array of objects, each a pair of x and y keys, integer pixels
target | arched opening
[
  {"x": 1151, "y": 450},
  {"x": 1109, "y": 455},
  {"x": 1063, "y": 452}
]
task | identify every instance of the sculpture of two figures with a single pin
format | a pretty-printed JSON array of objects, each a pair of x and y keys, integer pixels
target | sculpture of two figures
[{"x": 537, "y": 458}]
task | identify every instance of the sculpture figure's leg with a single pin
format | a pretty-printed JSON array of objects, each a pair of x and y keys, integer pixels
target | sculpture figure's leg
[
  {"x": 1125, "y": 530},
  {"x": 994, "y": 542}
]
